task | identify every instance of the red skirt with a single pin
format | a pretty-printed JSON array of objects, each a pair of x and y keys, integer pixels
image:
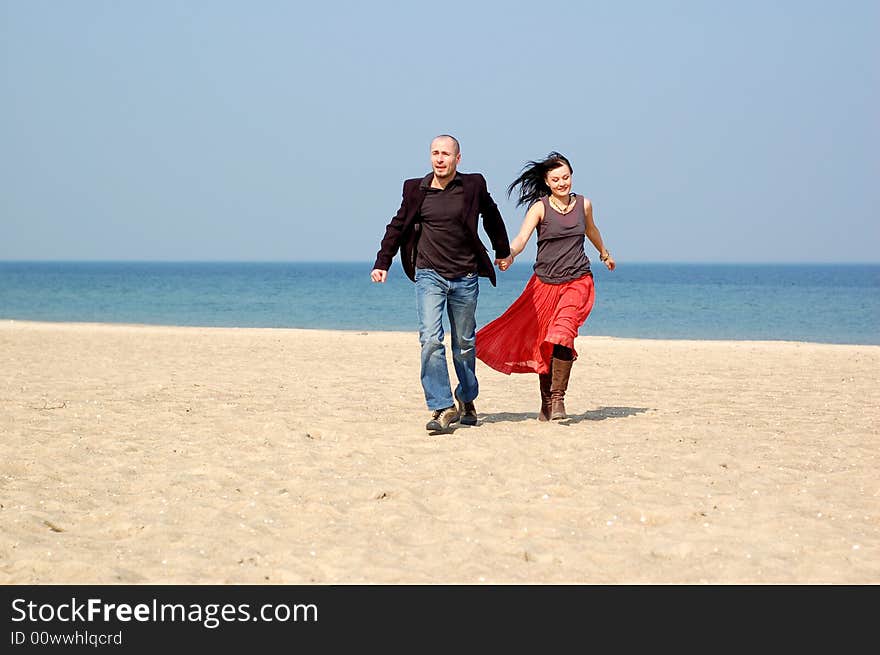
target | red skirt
[{"x": 521, "y": 340}]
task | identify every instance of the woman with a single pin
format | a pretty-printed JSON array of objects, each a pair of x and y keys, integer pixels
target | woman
[{"x": 536, "y": 334}]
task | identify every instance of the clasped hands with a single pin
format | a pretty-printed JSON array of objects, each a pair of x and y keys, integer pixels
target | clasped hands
[{"x": 504, "y": 262}]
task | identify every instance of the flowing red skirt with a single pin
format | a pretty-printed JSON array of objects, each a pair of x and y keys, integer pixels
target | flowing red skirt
[{"x": 521, "y": 339}]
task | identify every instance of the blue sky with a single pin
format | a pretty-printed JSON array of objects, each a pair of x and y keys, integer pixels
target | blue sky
[{"x": 703, "y": 131}]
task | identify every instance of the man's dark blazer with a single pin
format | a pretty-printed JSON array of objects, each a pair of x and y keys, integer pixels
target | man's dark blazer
[{"x": 404, "y": 229}]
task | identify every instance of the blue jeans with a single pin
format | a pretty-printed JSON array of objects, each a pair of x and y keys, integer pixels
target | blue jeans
[{"x": 458, "y": 297}]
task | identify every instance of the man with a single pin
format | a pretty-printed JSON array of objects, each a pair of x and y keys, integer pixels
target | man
[{"x": 436, "y": 231}]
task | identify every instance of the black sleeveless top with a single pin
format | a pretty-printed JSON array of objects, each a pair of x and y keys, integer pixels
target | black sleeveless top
[{"x": 561, "y": 257}]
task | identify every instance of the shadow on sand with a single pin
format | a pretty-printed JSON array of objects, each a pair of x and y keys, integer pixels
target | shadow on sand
[{"x": 600, "y": 414}]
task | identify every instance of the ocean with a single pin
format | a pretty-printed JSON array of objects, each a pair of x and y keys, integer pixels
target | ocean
[{"x": 821, "y": 303}]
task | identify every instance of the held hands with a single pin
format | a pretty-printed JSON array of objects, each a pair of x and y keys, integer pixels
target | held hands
[
  {"x": 378, "y": 275},
  {"x": 504, "y": 263}
]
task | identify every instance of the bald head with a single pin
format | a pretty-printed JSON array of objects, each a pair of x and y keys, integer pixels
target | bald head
[
  {"x": 445, "y": 156},
  {"x": 447, "y": 138}
]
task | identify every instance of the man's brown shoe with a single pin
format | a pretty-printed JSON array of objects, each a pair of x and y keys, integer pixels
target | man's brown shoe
[
  {"x": 442, "y": 419},
  {"x": 468, "y": 411}
]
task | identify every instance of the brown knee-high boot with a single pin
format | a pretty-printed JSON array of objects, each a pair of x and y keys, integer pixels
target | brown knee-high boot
[
  {"x": 544, "y": 379},
  {"x": 558, "y": 384}
]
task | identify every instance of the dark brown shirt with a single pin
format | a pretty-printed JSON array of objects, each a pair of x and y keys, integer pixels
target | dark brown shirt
[
  {"x": 403, "y": 231},
  {"x": 445, "y": 245}
]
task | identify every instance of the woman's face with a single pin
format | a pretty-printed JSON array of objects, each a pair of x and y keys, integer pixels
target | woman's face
[{"x": 559, "y": 180}]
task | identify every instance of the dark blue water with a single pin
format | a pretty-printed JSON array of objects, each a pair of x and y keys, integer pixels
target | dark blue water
[{"x": 820, "y": 303}]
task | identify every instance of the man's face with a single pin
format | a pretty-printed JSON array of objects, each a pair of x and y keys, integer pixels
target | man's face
[{"x": 444, "y": 158}]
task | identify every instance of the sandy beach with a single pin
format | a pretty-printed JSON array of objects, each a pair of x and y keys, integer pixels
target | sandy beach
[{"x": 138, "y": 454}]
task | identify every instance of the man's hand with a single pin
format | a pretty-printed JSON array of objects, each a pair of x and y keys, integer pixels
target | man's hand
[
  {"x": 378, "y": 275},
  {"x": 504, "y": 263}
]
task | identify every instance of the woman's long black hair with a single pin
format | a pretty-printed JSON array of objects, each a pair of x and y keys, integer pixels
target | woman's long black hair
[{"x": 531, "y": 182}]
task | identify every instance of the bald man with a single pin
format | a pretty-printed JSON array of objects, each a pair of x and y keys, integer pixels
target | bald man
[{"x": 435, "y": 230}]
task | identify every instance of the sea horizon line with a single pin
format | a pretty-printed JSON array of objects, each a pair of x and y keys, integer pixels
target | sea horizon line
[{"x": 369, "y": 262}]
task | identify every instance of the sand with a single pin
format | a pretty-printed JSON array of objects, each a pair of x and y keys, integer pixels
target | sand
[{"x": 164, "y": 455}]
